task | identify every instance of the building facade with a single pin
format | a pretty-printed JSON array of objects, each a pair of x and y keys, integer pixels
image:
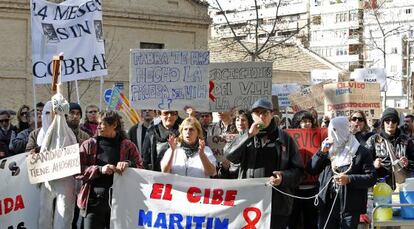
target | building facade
[{"x": 172, "y": 24}]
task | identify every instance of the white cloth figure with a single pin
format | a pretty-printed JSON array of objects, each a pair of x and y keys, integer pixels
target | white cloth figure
[
  {"x": 58, "y": 135},
  {"x": 46, "y": 121},
  {"x": 344, "y": 144}
]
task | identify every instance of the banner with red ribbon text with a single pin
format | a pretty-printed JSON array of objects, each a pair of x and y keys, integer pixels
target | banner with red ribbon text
[{"x": 147, "y": 199}]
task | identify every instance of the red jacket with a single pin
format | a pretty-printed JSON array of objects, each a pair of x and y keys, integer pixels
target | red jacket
[{"x": 89, "y": 170}]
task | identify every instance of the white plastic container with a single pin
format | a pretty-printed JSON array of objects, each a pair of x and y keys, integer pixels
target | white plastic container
[{"x": 407, "y": 196}]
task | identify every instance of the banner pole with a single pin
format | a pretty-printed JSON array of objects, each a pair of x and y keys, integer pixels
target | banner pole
[
  {"x": 34, "y": 101},
  {"x": 101, "y": 92},
  {"x": 77, "y": 91}
]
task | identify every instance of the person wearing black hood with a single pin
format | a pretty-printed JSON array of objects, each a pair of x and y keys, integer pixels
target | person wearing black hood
[
  {"x": 398, "y": 143},
  {"x": 266, "y": 151},
  {"x": 156, "y": 139},
  {"x": 73, "y": 121}
]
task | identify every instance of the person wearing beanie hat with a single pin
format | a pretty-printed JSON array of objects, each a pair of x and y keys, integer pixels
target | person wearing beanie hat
[
  {"x": 391, "y": 140},
  {"x": 267, "y": 151}
]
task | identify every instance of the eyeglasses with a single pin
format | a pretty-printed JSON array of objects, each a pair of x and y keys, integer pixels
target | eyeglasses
[
  {"x": 261, "y": 112},
  {"x": 94, "y": 111},
  {"x": 4, "y": 120},
  {"x": 390, "y": 120},
  {"x": 360, "y": 119},
  {"x": 23, "y": 114},
  {"x": 166, "y": 113},
  {"x": 205, "y": 116}
]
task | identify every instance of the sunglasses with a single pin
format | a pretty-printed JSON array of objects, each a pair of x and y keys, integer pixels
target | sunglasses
[
  {"x": 360, "y": 119},
  {"x": 205, "y": 116},
  {"x": 91, "y": 112},
  {"x": 390, "y": 120},
  {"x": 172, "y": 113},
  {"x": 23, "y": 113},
  {"x": 4, "y": 120}
]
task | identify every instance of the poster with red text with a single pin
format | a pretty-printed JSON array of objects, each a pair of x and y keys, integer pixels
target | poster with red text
[
  {"x": 19, "y": 200},
  {"x": 147, "y": 199},
  {"x": 309, "y": 142}
]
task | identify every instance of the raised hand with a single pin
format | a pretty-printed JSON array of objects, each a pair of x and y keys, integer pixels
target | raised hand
[{"x": 172, "y": 142}]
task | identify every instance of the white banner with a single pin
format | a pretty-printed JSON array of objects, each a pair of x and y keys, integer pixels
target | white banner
[
  {"x": 74, "y": 28},
  {"x": 238, "y": 85},
  {"x": 370, "y": 75},
  {"x": 147, "y": 199},
  {"x": 54, "y": 164},
  {"x": 19, "y": 200},
  {"x": 169, "y": 80},
  {"x": 282, "y": 91},
  {"x": 323, "y": 75}
]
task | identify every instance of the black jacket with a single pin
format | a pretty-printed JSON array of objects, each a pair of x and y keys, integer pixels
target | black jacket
[
  {"x": 156, "y": 144},
  {"x": 403, "y": 145},
  {"x": 353, "y": 196},
  {"x": 259, "y": 156}
]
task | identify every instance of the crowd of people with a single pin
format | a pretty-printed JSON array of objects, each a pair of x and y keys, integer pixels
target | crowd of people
[{"x": 355, "y": 152}]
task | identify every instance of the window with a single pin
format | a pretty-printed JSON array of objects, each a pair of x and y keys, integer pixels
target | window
[
  {"x": 146, "y": 45},
  {"x": 316, "y": 20},
  {"x": 393, "y": 68},
  {"x": 408, "y": 11},
  {"x": 394, "y": 50}
]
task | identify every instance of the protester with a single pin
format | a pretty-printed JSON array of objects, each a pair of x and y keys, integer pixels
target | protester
[
  {"x": 90, "y": 123},
  {"x": 266, "y": 151},
  {"x": 36, "y": 136},
  {"x": 156, "y": 140},
  {"x": 6, "y": 131},
  {"x": 219, "y": 134},
  {"x": 18, "y": 143},
  {"x": 242, "y": 120},
  {"x": 39, "y": 107},
  {"x": 408, "y": 127},
  {"x": 138, "y": 131},
  {"x": 206, "y": 119},
  {"x": 102, "y": 156},
  {"x": 22, "y": 115},
  {"x": 191, "y": 157},
  {"x": 308, "y": 187},
  {"x": 324, "y": 121},
  {"x": 349, "y": 164},
  {"x": 73, "y": 120},
  {"x": 359, "y": 127},
  {"x": 399, "y": 145}
]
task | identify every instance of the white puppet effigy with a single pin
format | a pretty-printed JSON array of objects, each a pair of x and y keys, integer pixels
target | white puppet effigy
[{"x": 58, "y": 214}]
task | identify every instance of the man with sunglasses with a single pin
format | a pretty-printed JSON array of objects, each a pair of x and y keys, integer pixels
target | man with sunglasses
[
  {"x": 267, "y": 151},
  {"x": 400, "y": 145},
  {"x": 6, "y": 130},
  {"x": 156, "y": 139},
  {"x": 90, "y": 124}
]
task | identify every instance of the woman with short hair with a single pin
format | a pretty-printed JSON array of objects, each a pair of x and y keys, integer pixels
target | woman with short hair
[
  {"x": 101, "y": 156},
  {"x": 188, "y": 154}
]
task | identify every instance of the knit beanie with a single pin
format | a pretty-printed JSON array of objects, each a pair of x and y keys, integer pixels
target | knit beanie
[
  {"x": 390, "y": 113},
  {"x": 75, "y": 106}
]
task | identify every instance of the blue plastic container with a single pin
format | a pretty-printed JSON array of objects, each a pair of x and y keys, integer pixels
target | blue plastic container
[{"x": 407, "y": 196}]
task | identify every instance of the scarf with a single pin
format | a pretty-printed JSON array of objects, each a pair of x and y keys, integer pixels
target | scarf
[{"x": 189, "y": 150}]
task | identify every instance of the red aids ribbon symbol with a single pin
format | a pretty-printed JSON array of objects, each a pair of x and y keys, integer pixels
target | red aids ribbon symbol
[
  {"x": 210, "y": 91},
  {"x": 251, "y": 224}
]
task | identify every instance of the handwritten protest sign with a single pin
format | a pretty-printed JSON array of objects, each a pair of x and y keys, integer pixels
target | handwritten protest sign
[
  {"x": 309, "y": 142},
  {"x": 282, "y": 91},
  {"x": 54, "y": 164},
  {"x": 19, "y": 200},
  {"x": 217, "y": 143},
  {"x": 74, "y": 28},
  {"x": 238, "y": 85},
  {"x": 344, "y": 98},
  {"x": 307, "y": 98},
  {"x": 169, "y": 80},
  {"x": 370, "y": 75},
  {"x": 323, "y": 75},
  {"x": 161, "y": 200}
]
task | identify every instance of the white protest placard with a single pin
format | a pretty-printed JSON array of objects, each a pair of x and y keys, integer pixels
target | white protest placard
[
  {"x": 19, "y": 200},
  {"x": 370, "y": 75},
  {"x": 74, "y": 28},
  {"x": 169, "y": 80},
  {"x": 237, "y": 85},
  {"x": 282, "y": 92},
  {"x": 147, "y": 199},
  {"x": 345, "y": 98},
  {"x": 54, "y": 164},
  {"x": 323, "y": 75}
]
